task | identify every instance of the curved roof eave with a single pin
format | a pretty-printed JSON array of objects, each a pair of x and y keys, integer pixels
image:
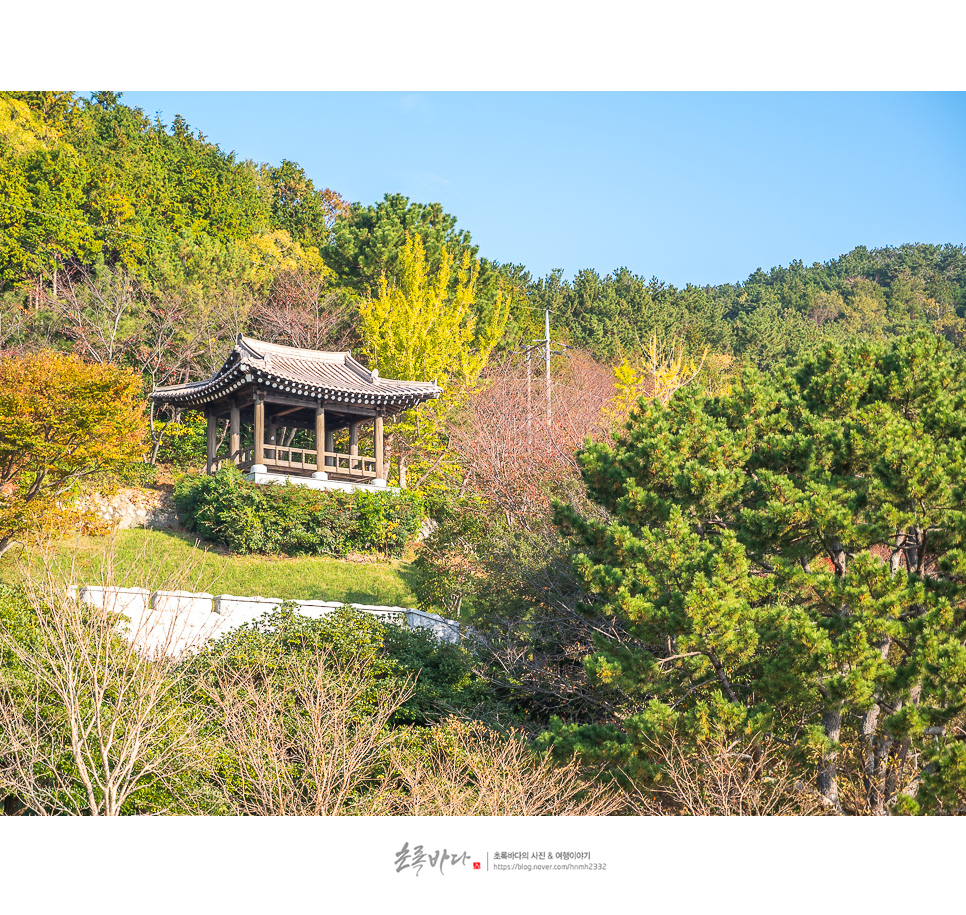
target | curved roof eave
[{"x": 313, "y": 374}]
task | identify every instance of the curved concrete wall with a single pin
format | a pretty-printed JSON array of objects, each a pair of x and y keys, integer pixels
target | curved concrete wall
[{"x": 176, "y": 621}]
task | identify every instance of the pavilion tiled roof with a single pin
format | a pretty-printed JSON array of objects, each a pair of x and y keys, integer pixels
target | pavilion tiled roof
[{"x": 313, "y": 374}]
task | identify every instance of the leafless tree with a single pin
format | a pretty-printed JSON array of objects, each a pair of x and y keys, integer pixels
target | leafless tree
[
  {"x": 171, "y": 347},
  {"x": 504, "y": 548},
  {"x": 18, "y": 324},
  {"x": 101, "y": 312},
  {"x": 727, "y": 777},
  {"x": 466, "y": 769},
  {"x": 507, "y": 449},
  {"x": 302, "y": 311},
  {"x": 89, "y": 717},
  {"x": 306, "y": 744}
]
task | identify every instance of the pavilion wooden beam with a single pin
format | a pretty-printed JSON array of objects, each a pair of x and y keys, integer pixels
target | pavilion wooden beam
[
  {"x": 282, "y": 413},
  {"x": 289, "y": 401},
  {"x": 379, "y": 446},
  {"x": 235, "y": 431},
  {"x": 260, "y": 432},
  {"x": 340, "y": 415},
  {"x": 222, "y": 409},
  {"x": 212, "y": 442}
]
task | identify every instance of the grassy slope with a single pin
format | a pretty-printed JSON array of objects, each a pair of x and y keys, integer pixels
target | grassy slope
[{"x": 166, "y": 560}]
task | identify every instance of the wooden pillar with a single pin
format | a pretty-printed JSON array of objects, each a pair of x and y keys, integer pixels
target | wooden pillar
[
  {"x": 260, "y": 431},
  {"x": 212, "y": 439},
  {"x": 354, "y": 446},
  {"x": 319, "y": 438},
  {"x": 235, "y": 432},
  {"x": 270, "y": 452},
  {"x": 379, "y": 445},
  {"x": 329, "y": 446}
]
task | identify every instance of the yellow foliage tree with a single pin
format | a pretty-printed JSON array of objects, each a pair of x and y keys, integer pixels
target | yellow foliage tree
[
  {"x": 425, "y": 330},
  {"x": 21, "y": 131},
  {"x": 60, "y": 420},
  {"x": 271, "y": 253},
  {"x": 668, "y": 368},
  {"x": 662, "y": 369}
]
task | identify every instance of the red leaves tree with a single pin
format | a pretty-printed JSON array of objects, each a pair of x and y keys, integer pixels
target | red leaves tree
[
  {"x": 517, "y": 447},
  {"x": 497, "y": 559}
]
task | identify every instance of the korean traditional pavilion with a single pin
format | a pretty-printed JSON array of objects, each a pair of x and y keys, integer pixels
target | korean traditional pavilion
[{"x": 264, "y": 387}]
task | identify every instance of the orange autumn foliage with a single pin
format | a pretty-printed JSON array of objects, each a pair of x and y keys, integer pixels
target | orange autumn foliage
[{"x": 61, "y": 420}]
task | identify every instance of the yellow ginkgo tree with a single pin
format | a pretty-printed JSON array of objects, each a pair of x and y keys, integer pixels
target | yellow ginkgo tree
[
  {"x": 661, "y": 370},
  {"x": 426, "y": 327}
]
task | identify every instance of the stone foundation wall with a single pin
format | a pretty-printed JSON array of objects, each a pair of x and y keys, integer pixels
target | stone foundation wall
[{"x": 132, "y": 508}]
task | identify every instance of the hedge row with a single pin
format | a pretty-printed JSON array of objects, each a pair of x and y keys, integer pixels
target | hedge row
[{"x": 295, "y": 520}]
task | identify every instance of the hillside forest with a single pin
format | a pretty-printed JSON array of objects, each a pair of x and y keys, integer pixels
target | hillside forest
[{"x": 707, "y": 544}]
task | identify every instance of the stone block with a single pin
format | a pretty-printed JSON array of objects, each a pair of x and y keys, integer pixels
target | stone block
[
  {"x": 180, "y": 602},
  {"x": 116, "y": 600},
  {"x": 445, "y": 630}
]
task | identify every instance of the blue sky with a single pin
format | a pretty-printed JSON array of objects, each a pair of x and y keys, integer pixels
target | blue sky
[{"x": 688, "y": 187}]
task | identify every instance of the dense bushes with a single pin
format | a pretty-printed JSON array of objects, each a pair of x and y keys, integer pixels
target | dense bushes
[
  {"x": 295, "y": 520},
  {"x": 284, "y": 715},
  {"x": 440, "y": 676}
]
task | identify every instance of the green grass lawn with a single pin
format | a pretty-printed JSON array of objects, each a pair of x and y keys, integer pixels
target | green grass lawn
[{"x": 164, "y": 560}]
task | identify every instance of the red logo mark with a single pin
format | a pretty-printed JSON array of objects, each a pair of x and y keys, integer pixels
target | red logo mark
[{"x": 476, "y": 865}]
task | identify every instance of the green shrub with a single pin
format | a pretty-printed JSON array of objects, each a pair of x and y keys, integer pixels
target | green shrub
[
  {"x": 185, "y": 443},
  {"x": 294, "y": 520},
  {"x": 441, "y": 674}
]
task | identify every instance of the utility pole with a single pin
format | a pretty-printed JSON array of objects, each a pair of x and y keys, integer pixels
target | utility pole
[
  {"x": 529, "y": 350},
  {"x": 546, "y": 329}
]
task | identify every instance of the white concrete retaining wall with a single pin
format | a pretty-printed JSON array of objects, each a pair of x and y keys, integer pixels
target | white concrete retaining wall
[
  {"x": 178, "y": 621},
  {"x": 172, "y": 621},
  {"x": 236, "y": 611},
  {"x": 129, "y": 601},
  {"x": 445, "y": 630}
]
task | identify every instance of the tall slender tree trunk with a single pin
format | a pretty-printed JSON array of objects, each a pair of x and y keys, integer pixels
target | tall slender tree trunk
[
  {"x": 871, "y": 776},
  {"x": 875, "y": 749},
  {"x": 900, "y": 755},
  {"x": 827, "y": 781}
]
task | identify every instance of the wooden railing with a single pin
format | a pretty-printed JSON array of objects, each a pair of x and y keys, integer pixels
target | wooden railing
[
  {"x": 243, "y": 458},
  {"x": 357, "y": 465},
  {"x": 304, "y": 459},
  {"x": 295, "y": 458}
]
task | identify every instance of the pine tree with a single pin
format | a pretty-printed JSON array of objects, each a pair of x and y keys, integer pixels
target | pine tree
[{"x": 788, "y": 560}]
